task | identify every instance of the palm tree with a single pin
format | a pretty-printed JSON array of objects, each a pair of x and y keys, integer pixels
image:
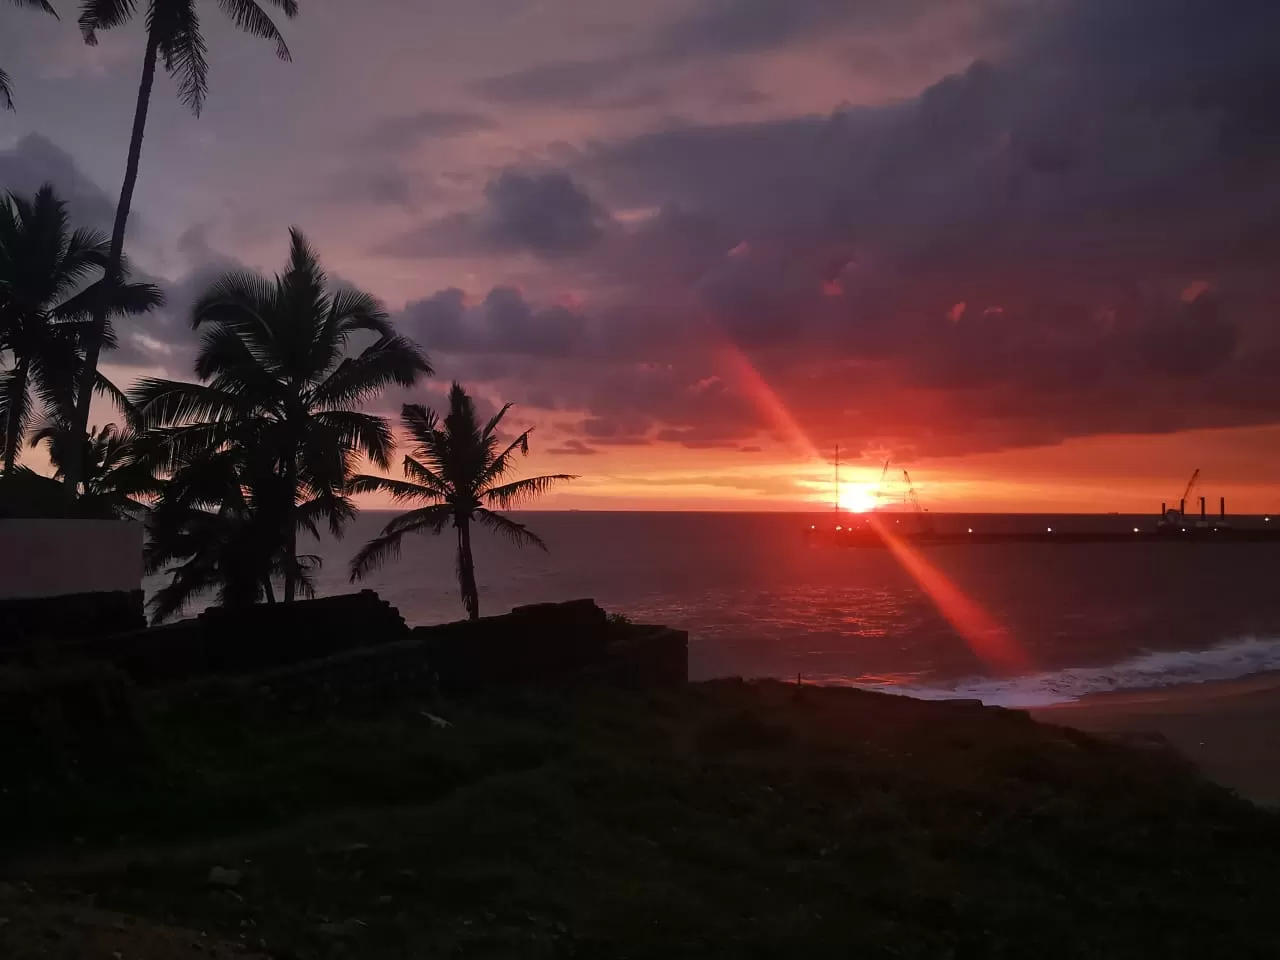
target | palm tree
[
  {"x": 119, "y": 475},
  {"x": 217, "y": 527},
  {"x": 276, "y": 378},
  {"x": 6, "y": 92},
  {"x": 174, "y": 35},
  {"x": 45, "y": 305},
  {"x": 457, "y": 470}
]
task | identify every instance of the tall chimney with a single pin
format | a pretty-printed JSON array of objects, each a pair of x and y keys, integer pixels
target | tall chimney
[
  {"x": 1182, "y": 506},
  {"x": 1222, "y": 507},
  {"x": 1164, "y": 508},
  {"x": 1202, "y": 514}
]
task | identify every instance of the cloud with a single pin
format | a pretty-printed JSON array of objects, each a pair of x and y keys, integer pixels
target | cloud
[
  {"x": 503, "y": 323},
  {"x": 572, "y": 448},
  {"x": 1068, "y": 193},
  {"x": 545, "y": 214},
  {"x": 406, "y": 130},
  {"x": 35, "y": 161}
]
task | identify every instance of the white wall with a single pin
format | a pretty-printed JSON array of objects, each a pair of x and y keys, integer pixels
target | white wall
[{"x": 50, "y": 558}]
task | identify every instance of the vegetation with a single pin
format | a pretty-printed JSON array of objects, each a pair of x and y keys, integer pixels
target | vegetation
[
  {"x": 722, "y": 819},
  {"x": 176, "y": 38},
  {"x": 6, "y": 91},
  {"x": 459, "y": 470},
  {"x": 119, "y": 476},
  {"x": 267, "y": 442},
  {"x": 47, "y": 294}
]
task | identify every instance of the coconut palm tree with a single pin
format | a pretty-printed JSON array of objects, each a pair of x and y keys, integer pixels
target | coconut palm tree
[
  {"x": 218, "y": 527},
  {"x": 278, "y": 382},
  {"x": 45, "y": 305},
  {"x": 459, "y": 470},
  {"x": 119, "y": 475},
  {"x": 175, "y": 37},
  {"x": 6, "y": 92}
]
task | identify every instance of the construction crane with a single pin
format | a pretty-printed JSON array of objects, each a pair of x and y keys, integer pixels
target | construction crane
[
  {"x": 926, "y": 524},
  {"x": 880, "y": 485},
  {"x": 1191, "y": 485}
]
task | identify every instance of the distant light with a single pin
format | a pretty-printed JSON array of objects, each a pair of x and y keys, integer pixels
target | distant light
[
  {"x": 1135, "y": 529},
  {"x": 971, "y": 529},
  {"x": 1050, "y": 529},
  {"x": 1184, "y": 529},
  {"x": 839, "y": 528},
  {"x": 813, "y": 526}
]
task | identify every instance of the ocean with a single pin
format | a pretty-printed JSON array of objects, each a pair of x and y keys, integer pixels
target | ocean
[{"x": 758, "y": 600}]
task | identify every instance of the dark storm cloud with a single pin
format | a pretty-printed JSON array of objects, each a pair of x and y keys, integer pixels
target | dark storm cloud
[
  {"x": 1075, "y": 239},
  {"x": 573, "y": 448},
  {"x": 35, "y": 161},
  {"x": 1004, "y": 260},
  {"x": 504, "y": 323},
  {"x": 397, "y": 133},
  {"x": 546, "y": 214},
  {"x": 724, "y": 28}
]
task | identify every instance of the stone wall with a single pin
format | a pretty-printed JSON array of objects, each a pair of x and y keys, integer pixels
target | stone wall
[{"x": 244, "y": 641}]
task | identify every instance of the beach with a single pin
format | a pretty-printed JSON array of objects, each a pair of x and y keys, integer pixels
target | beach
[{"x": 1229, "y": 729}]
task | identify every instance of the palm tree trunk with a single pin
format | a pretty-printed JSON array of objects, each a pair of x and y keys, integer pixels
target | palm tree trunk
[
  {"x": 291, "y": 530},
  {"x": 13, "y": 422},
  {"x": 467, "y": 570},
  {"x": 93, "y": 345}
]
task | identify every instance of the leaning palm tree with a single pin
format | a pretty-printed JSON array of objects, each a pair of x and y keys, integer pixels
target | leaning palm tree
[
  {"x": 457, "y": 470},
  {"x": 276, "y": 377},
  {"x": 174, "y": 36},
  {"x": 45, "y": 304},
  {"x": 6, "y": 92}
]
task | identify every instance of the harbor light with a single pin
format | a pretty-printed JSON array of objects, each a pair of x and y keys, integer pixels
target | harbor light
[
  {"x": 1050, "y": 529},
  {"x": 971, "y": 529},
  {"x": 1135, "y": 529},
  {"x": 839, "y": 528}
]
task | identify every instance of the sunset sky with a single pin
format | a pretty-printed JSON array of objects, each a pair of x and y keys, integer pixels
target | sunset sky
[{"x": 1028, "y": 249}]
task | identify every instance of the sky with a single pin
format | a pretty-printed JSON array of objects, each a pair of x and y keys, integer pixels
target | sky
[{"x": 1025, "y": 249}]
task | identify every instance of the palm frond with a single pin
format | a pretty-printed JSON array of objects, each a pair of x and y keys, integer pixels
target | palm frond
[
  {"x": 386, "y": 546},
  {"x": 521, "y": 491},
  {"x": 171, "y": 402},
  {"x": 98, "y": 15},
  {"x": 252, "y": 19},
  {"x": 6, "y": 91},
  {"x": 517, "y": 533},
  {"x": 401, "y": 491},
  {"x": 392, "y": 361},
  {"x": 182, "y": 49},
  {"x": 365, "y": 432}
]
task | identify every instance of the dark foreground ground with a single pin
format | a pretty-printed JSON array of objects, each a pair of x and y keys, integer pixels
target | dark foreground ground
[{"x": 720, "y": 820}]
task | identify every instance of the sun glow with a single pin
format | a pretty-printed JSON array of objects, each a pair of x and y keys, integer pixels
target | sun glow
[{"x": 856, "y": 498}]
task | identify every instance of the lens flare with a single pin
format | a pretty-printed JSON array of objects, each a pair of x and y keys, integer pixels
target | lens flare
[{"x": 989, "y": 640}]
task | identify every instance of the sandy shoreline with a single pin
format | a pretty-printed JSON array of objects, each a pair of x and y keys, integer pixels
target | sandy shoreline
[{"x": 1229, "y": 729}]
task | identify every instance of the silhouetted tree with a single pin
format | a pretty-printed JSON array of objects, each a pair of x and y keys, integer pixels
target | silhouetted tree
[
  {"x": 6, "y": 91},
  {"x": 279, "y": 395},
  {"x": 457, "y": 470},
  {"x": 45, "y": 305},
  {"x": 119, "y": 473},
  {"x": 219, "y": 527},
  {"x": 175, "y": 37}
]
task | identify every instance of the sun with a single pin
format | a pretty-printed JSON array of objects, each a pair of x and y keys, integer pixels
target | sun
[{"x": 857, "y": 499}]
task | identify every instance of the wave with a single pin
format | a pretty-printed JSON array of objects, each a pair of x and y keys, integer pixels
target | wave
[{"x": 1229, "y": 660}]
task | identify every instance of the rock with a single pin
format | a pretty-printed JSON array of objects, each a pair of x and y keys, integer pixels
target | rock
[
  {"x": 222, "y": 877},
  {"x": 348, "y": 928},
  {"x": 436, "y": 721}
]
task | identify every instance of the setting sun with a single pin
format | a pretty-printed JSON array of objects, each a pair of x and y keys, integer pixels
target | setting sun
[{"x": 858, "y": 499}]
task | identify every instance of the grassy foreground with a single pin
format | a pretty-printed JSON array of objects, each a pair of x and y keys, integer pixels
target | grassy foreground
[{"x": 723, "y": 819}]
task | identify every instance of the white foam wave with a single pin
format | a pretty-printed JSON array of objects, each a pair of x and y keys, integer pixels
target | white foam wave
[{"x": 1229, "y": 660}]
